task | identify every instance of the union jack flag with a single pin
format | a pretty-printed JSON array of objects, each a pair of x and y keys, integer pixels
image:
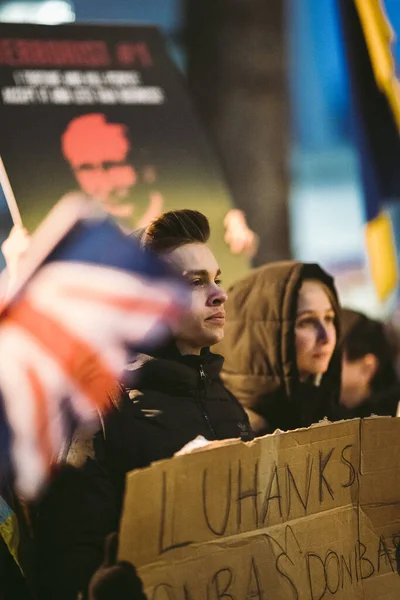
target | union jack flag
[{"x": 86, "y": 296}]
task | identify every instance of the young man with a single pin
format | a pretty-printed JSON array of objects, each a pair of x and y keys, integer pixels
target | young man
[{"x": 177, "y": 395}]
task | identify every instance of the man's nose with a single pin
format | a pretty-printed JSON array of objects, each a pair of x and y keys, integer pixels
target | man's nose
[
  {"x": 217, "y": 297},
  {"x": 103, "y": 185}
]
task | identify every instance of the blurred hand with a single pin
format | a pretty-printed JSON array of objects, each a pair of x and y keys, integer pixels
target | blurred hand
[
  {"x": 14, "y": 248},
  {"x": 258, "y": 423},
  {"x": 153, "y": 211},
  {"x": 115, "y": 580},
  {"x": 196, "y": 444},
  {"x": 239, "y": 237}
]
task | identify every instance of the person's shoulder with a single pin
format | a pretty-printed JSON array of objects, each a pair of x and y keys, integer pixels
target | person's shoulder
[
  {"x": 139, "y": 402},
  {"x": 81, "y": 449},
  {"x": 134, "y": 411}
]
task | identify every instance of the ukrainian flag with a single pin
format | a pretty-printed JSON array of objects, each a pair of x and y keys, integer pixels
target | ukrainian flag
[
  {"x": 9, "y": 530},
  {"x": 375, "y": 98}
]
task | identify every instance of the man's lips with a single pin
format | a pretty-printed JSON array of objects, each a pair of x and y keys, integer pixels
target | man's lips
[{"x": 218, "y": 317}]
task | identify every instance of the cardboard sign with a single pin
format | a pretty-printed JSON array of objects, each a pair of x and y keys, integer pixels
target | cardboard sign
[
  {"x": 304, "y": 515},
  {"x": 103, "y": 109}
]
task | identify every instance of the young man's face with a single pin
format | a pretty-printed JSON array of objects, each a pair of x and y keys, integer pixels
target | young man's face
[{"x": 204, "y": 323}]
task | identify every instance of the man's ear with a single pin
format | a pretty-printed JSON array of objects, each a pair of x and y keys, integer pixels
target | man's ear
[{"x": 370, "y": 366}]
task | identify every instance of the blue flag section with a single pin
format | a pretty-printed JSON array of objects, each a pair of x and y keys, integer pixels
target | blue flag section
[{"x": 376, "y": 133}]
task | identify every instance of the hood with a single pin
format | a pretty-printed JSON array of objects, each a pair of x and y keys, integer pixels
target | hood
[{"x": 258, "y": 346}]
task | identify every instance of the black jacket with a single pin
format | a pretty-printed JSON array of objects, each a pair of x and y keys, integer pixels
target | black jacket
[{"x": 175, "y": 399}]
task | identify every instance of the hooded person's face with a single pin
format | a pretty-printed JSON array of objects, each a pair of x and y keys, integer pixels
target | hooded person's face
[
  {"x": 315, "y": 331},
  {"x": 203, "y": 324}
]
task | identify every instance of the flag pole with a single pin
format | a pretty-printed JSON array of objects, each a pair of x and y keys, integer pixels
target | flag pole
[{"x": 9, "y": 195}]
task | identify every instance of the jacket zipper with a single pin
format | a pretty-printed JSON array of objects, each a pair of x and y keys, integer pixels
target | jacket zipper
[{"x": 201, "y": 395}]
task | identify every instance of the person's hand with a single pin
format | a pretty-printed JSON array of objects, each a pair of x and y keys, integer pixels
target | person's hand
[
  {"x": 258, "y": 423},
  {"x": 15, "y": 247},
  {"x": 196, "y": 444},
  {"x": 115, "y": 580},
  {"x": 239, "y": 237},
  {"x": 153, "y": 211}
]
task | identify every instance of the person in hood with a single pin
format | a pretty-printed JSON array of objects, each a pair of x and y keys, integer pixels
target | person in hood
[
  {"x": 167, "y": 399},
  {"x": 282, "y": 358},
  {"x": 369, "y": 381}
]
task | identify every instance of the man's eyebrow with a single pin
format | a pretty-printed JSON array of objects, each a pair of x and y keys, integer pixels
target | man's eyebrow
[
  {"x": 197, "y": 272},
  {"x": 83, "y": 165},
  {"x": 200, "y": 273}
]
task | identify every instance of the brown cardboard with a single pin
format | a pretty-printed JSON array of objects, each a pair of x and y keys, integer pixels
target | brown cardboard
[{"x": 307, "y": 515}]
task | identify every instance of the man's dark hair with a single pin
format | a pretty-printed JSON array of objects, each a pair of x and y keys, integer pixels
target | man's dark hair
[
  {"x": 363, "y": 336},
  {"x": 175, "y": 229}
]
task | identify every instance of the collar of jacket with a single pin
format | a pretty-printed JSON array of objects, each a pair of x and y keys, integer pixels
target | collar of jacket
[{"x": 171, "y": 372}]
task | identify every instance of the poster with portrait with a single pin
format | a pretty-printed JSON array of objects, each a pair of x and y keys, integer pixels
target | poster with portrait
[{"x": 103, "y": 109}]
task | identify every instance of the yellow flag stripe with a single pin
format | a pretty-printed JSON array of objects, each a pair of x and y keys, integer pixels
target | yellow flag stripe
[
  {"x": 9, "y": 531},
  {"x": 382, "y": 255},
  {"x": 379, "y": 37}
]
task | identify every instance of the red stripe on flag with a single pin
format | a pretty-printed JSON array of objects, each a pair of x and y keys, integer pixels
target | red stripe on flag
[
  {"x": 77, "y": 359},
  {"x": 41, "y": 418},
  {"x": 146, "y": 306}
]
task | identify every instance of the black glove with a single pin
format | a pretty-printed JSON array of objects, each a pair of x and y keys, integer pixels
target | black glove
[{"x": 115, "y": 580}]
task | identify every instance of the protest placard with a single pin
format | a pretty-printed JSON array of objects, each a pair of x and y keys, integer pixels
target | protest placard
[
  {"x": 304, "y": 515},
  {"x": 101, "y": 108}
]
